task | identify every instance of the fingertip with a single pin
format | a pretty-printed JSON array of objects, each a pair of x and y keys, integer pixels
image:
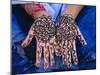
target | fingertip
[
  {"x": 23, "y": 44},
  {"x": 83, "y": 42},
  {"x": 46, "y": 65},
  {"x": 76, "y": 61},
  {"x": 69, "y": 66}
]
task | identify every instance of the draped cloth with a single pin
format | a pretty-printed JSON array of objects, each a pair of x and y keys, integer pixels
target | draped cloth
[{"x": 23, "y": 59}]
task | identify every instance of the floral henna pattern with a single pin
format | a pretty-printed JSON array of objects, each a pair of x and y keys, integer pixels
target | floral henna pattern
[
  {"x": 44, "y": 31},
  {"x": 66, "y": 33},
  {"x": 67, "y": 28},
  {"x": 46, "y": 58},
  {"x": 51, "y": 50},
  {"x": 44, "y": 28},
  {"x": 60, "y": 39}
]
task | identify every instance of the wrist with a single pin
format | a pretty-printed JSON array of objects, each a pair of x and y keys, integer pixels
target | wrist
[
  {"x": 74, "y": 10},
  {"x": 72, "y": 14},
  {"x": 40, "y": 13}
]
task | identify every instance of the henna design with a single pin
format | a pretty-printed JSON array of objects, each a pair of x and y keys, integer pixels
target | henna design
[
  {"x": 46, "y": 58},
  {"x": 44, "y": 28},
  {"x": 51, "y": 56},
  {"x": 66, "y": 33},
  {"x": 66, "y": 29},
  {"x": 69, "y": 63},
  {"x": 80, "y": 37},
  {"x": 38, "y": 56},
  {"x": 74, "y": 52},
  {"x": 44, "y": 31}
]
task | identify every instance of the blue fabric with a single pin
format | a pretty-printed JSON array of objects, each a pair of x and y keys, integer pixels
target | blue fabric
[
  {"x": 23, "y": 59},
  {"x": 54, "y": 10},
  {"x": 87, "y": 24},
  {"x": 17, "y": 34}
]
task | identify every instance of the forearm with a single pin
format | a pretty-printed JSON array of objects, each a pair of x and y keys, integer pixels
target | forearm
[
  {"x": 35, "y": 10},
  {"x": 73, "y": 10},
  {"x": 40, "y": 13}
]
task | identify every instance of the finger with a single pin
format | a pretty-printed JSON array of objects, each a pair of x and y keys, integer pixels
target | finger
[
  {"x": 51, "y": 50},
  {"x": 74, "y": 52},
  {"x": 51, "y": 46},
  {"x": 68, "y": 55},
  {"x": 64, "y": 54},
  {"x": 80, "y": 37},
  {"x": 28, "y": 39},
  {"x": 38, "y": 54},
  {"x": 58, "y": 48},
  {"x": 46, "y": 57}
]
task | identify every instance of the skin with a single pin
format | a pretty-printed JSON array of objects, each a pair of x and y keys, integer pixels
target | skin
[
  {"x": 74, "y": 10},
  {"x": 42, "y": 47},
  {"x": 68, "y": 46},
  {"x": 65, "y": 48}
]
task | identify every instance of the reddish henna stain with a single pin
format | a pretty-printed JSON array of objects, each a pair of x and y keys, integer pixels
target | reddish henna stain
[
  {"x": 82, "y": 41},
  {"x": 30, "y": 35}
]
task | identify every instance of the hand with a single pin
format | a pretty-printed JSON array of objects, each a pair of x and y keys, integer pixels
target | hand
[
  {"x": 44, "y": 31},
  {"x": 66, "y": 35}
]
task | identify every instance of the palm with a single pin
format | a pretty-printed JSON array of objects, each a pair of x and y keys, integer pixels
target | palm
[
  {"x": 44, "y": 32},
  {"x": 67, "y": 32}
]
